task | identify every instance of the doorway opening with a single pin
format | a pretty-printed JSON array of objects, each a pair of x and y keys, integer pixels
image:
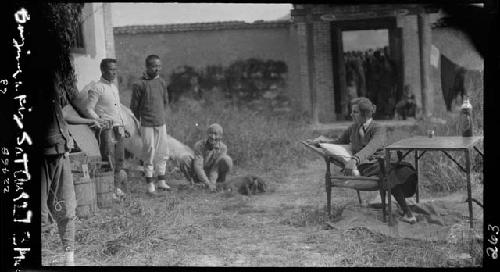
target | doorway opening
[
  {"x": 369, "y": 71},
  {"x": 367, "y": 55}
]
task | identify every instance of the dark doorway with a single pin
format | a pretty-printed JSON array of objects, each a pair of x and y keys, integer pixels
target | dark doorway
[{"x": 367, "y": 61}]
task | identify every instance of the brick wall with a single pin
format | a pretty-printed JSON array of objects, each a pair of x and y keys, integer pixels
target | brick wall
[
  {"x": 324, "y": 73},
  {"x": 303, "y": 66},
  {"x": 411, "y": 55},
  {"x": 323, "y": 66},
  {"x": 200, "y": 45},
  {"x": 108, "y": 30}
]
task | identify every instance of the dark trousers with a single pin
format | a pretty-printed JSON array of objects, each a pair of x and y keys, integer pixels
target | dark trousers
[
  {"x": 403, "y": 179},
  {"x": 217, "y": 172},
  {"x": 58, "y": 197},
  {"x": 112, "y": 147}
]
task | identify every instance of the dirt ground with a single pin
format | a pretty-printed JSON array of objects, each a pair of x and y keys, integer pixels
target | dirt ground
[{"x": 284, "y": 227}]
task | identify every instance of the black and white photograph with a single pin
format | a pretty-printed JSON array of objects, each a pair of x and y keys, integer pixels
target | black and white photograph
[{"x": 175, "y": 134}]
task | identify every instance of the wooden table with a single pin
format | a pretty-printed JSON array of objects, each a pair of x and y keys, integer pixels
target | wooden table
[{"x": 444, "y": 144}]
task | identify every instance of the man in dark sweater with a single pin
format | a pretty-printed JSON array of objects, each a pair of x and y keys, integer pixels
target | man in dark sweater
[{"x": 149, "y": 104}]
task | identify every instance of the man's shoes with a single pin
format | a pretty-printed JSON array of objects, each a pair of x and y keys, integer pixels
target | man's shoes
[
  {"x": 153, "y": 194},
  {"x": 69, "y": 259},
  {"x": 408, "y": 219},
  {"x": 119, "y": 192},
  {"x": 118, "y": 195},
  {"x": 162, "y": 185}
]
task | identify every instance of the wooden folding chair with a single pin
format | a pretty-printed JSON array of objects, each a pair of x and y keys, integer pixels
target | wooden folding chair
[{"x": 358, "y": 183}]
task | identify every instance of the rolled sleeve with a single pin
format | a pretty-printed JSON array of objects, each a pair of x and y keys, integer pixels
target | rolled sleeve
[
  {"x": 198, "y": 162},
  {"x": 93, "y": 98}
]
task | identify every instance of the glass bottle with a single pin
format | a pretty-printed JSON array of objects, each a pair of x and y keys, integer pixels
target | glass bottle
[{"x": 466, "y": 118}]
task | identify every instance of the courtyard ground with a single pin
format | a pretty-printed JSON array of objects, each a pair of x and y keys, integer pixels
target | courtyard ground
[{"x": 286, "y": 226}]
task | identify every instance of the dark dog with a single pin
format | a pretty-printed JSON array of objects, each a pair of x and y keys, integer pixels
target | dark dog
[{"x": 245, "y": 185}]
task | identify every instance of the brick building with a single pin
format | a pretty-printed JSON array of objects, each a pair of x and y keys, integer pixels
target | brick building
[
  {"x": 320, "y": 30},
  {"x": 203, "y": 44},
  {"x": 311, "y": 45}
]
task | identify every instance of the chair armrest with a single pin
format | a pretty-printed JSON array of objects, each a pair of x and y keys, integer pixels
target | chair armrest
[
  {"x": 354, "y": 178},
  {"x": 357, "y": 184}
]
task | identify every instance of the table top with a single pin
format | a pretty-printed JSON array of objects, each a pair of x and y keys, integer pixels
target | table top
[{"x": 436, "y": 143}]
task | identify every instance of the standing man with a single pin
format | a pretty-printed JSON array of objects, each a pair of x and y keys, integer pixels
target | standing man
[
  {"x": 104, "y": 103},
  {"x": 149, "y": 104},
  {"x": 210, "y": 163},
  {"x": 57, "y": 189}
]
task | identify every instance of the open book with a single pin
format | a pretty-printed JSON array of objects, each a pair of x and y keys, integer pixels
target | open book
[{"x": 340, "y": 153}]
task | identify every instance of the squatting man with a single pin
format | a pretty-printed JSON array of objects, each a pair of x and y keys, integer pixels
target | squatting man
[{"x": 210, "y": 163}]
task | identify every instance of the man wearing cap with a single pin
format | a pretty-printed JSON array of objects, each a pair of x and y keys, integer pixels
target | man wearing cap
[
  {"x": 210, "y": 163},
  {"x": 149, "y": 103},
  {"x": 367, "y": 140}
]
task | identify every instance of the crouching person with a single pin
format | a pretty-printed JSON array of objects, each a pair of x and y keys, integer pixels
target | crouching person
[{"x": 210, "y": 163}]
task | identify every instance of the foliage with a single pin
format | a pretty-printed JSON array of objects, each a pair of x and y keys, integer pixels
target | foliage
[
  {"x": 242, "y": 80},
  {"x": 57, "y": 26}
]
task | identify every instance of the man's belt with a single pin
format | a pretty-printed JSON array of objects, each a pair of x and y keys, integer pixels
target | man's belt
[{"x": 56, "y": 149}]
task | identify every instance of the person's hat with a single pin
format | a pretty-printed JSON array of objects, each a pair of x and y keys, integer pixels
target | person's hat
[{"x": 215, "y": 128}]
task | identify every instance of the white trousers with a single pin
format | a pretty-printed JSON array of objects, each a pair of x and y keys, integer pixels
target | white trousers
[{"x": 154, "y": 150}]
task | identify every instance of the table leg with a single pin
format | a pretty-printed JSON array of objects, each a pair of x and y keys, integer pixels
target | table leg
[
  {"x": 387, "y": 168},
  {"x": 417, "y": 197},
  {"x": 469, "y": 189},
  {"x": 328, "y": 188}
]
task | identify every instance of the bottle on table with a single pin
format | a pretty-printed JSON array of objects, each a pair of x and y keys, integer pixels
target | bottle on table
[{"x": 466, "y": 118}]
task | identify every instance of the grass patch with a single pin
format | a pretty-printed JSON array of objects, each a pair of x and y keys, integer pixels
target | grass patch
[{"x": 255, "y": 139}]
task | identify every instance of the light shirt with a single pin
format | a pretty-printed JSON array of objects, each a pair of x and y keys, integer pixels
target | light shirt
[
  {"x": 364, "y": 127},
  {"x": 104, "y": 102},
  {"x": 367, "y": 123}
]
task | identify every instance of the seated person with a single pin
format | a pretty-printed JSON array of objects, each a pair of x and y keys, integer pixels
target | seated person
[
  {"x": 406, "y": 107},
  {"x": 367, "y": 140},
  {"x": 210, "y": 163}
]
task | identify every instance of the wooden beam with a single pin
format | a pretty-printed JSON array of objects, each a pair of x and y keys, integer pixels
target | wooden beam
[
  {"x": 339, "y": 64},
  {"x": 311, "y": 71},
  {"x": 424, "y": 33}
]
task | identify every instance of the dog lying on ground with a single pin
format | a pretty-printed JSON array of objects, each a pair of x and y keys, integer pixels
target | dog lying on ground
[{"x": 245, "y": 185}]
